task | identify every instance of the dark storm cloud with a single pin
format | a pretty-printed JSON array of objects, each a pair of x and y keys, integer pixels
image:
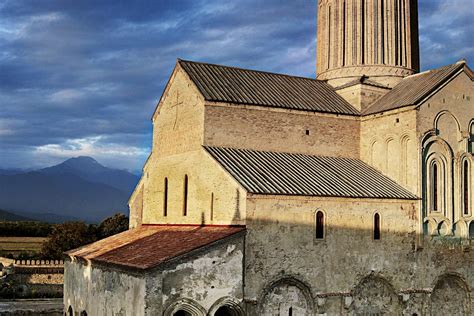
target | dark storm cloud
[{"x": 83, "y": 77}]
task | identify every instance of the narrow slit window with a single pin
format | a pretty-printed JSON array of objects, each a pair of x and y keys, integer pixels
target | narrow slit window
[
  {"x": 290, "y": 311},
  {"x": 165, "y": 198},
  {"x": 185, "y": 197},
  {"x": 377, "y": 226},
  {"x": 434, "y": 187},
  {"x": 212, "y": 206},
  {"x": 466, "y": 187},
  {"x": 319, "y": 225}
]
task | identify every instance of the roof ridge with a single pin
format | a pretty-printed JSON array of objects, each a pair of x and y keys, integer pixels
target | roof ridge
[{"x": 254, "y": 70}]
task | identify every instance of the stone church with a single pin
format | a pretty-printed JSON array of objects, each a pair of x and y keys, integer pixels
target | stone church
[{"x": 270, "y": 194}]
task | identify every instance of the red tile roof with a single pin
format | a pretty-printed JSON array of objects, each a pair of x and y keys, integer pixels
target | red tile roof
[{"x": 151, "y": 245}]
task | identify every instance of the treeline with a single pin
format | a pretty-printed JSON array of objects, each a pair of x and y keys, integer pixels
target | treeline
[
  {"x": 72, "y": 235},
  {"x": 25, "y": 229}
]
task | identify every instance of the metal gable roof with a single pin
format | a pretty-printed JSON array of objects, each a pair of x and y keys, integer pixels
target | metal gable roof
[
  {"x": 413, "y": 89},
  {"x": 262, "y": 172},
  {"x": 243, "y": 86}
]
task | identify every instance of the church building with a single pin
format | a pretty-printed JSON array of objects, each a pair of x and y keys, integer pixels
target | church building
[{"x": 268, "y": 194}]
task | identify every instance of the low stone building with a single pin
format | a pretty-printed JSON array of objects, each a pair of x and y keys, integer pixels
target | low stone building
[{"x": 268, "y": 194}]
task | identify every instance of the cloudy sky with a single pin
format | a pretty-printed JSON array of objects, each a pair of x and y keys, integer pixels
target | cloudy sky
[{"x": 83, "y": 77}]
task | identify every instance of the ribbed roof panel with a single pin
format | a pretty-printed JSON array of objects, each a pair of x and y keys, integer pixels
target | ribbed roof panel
[
  {"x": 243, "y": 86},
  {"x": 413, "y": 89},
  {"x": 263, "y": 172}
]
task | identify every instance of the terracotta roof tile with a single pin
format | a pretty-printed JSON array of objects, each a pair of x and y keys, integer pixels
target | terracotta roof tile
[{"x": 151, "y": 245}]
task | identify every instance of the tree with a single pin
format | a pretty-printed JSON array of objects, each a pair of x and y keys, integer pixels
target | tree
[
  {"x": 112, "y": 225},
  {"x": 66, "y": 237}
]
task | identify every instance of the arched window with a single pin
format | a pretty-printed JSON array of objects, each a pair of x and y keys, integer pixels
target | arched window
[
  {"x": 434, "y": 186},
  {"x": 377, "y": 226},
  {"x": 165, "y": 198},
  {"x": 83, "y": 313},
  {"x": 471, "y": 230},
  {"x": 290, "y": 311},
  {"x": 319, "y": 225},
  {"x": 466, "y": 188},
  {"x": 70, "y": 312},
  {"x": 185, "y": 201},
  {"x": 181, "y": 313}
]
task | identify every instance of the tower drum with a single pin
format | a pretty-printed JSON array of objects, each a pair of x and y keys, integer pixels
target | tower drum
[{"x": 371, "y": 38}]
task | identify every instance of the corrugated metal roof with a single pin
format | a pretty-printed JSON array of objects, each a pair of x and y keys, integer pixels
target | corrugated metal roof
[
  {"x": 414, "y": 89},
  {"x": 297, "y": 174},
  {"x": 243, "y": 86},
  {"x": 149, "y": 246}
]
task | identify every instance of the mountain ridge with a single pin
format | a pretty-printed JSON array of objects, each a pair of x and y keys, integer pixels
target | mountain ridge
[{"x": 79, "y": 188}]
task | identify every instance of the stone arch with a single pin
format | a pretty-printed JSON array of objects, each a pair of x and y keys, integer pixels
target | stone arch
[
  {"x": 392, "y": 164},
  {"x": 438, "y": 121},
  {"x": 286, "y": 294},
  {"x": 374, "y": 295},
  {"x": 405, "y": 143},
  {"x": 226, "y": 306},
  {"x": 443, "y": 228},
  {"x": 450, "y": 296},
  {"x": 186, "y": 307},
  {"x": 471, "y": 230}
]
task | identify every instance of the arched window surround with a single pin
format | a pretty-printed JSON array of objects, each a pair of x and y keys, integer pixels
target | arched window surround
[
  {"x": 320, "y": 220},
  {"x": 436, "y": 167}
]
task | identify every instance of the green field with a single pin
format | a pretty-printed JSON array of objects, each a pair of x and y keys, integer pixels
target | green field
[{"x": 18, "y": 245}]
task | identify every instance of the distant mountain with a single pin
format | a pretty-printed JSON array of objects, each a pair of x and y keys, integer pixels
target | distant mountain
[
  {"x": 12, "y": 217},
  {"x": 89, "y": 169},
  {"x": 77, "y": 188}
]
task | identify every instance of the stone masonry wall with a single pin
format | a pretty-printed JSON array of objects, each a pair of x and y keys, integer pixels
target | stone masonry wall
[{"x": 268, "y": 129}]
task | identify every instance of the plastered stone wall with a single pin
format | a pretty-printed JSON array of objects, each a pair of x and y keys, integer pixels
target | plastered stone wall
[
  {"x": 340, "y": 272},
  {"x": 269, "y": 129},
  {"x": 390, "y": 144},
  {"x": 103, "y": 292},
  {"x": 206, "y": 277},
  {"x": 178, "y": 122}
]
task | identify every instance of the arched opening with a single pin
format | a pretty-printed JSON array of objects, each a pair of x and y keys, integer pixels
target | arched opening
[
  {"x": 375, "y": 296},
  {"x": 319, "y": 225},
  {"x": 287, "y": 296},
  {"x": 450, "y": 297},
  {"x": 182, "y": 313},
  {"x": 83, "y": 313},
  {"x": 376, "y": 226},
  {"x": 434, "y": 186},
  {"x": 185, "y": 197},
  {"x": 165, "y": 198},
  {"x": 70, "y": 312},
  {"x": 466, "y": 188},
  {"x": 471, "y": 230}
]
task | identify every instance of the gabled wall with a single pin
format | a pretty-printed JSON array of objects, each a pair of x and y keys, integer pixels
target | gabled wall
[{"x": 178, "y": 126}]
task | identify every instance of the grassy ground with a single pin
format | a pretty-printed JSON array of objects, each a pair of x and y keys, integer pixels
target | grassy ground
[{"x": 17, "y": 245}]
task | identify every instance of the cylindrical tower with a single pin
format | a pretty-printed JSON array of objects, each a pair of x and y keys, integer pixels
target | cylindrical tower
[{"x": 373, "y": 38}]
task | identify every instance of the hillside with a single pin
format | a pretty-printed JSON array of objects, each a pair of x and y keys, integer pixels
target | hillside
[{"x": 12, "y": 217}]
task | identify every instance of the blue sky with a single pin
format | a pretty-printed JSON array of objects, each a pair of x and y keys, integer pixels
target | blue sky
[{"x": 83, "y": 77}]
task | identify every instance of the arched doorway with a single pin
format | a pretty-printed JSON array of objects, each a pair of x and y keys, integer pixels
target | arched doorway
[
  {"x": 375, "y": 296},
  {"x": 181, "y": 313},
  {"x": 450, "y": 296},
  {"x": 226, "y": 306},
  {"x": 287, "y": 297},
  {"x": 185, "y": 307}
]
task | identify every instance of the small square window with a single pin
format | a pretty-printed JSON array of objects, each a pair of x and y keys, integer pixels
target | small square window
[{"x": 307, "y": 132}]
